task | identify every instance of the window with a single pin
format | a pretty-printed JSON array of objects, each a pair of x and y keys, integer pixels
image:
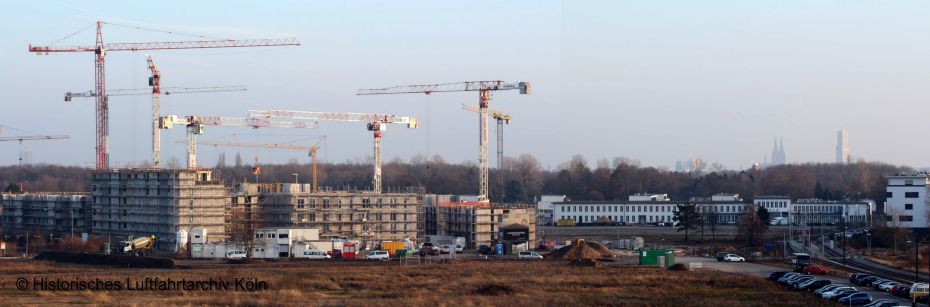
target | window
[
  {"x": 908, "y": 206},
  {"x": 911, "y": 194},
  {"x": 906, "y": 218},
  {"x": 271, "y": 235},
  {"x": 908, "y": 182},
  {"x": 889, "y": 194},
  {"x": 283, "y": 236}
]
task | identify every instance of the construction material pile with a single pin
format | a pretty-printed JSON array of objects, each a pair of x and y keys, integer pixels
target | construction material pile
[{"x": 581, "y": 250}]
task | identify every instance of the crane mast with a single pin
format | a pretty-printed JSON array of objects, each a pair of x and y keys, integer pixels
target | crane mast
[
  {"x": 377, "y": 123},
  {"x": 311, "y": 150},
  {"x": 484, "y": 89},
  {"x": 100, "y": 50},
  {"x": 155, "y": 83},
  {"x": 195, "y": 126}
]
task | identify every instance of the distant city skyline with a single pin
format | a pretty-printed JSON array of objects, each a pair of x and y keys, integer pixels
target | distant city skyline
[{"x": 657, "y": 82}]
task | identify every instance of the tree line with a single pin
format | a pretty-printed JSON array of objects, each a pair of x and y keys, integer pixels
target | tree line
[{"x": 524, "y": 179}]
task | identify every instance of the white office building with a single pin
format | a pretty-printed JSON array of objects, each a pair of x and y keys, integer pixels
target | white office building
[
  {"x": 906, "y": 200},
  {"x": 776, "y": 205},
  {"x": 648, "y": 209},
  {"x": 544, "y": 208},
  {"x": 832, "y": 212}
]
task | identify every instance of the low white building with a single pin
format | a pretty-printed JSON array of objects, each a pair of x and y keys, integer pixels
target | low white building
[
  {"x": 544, "y": 208},
  {"x": 277, "y": 242},
  {"x": 776, "y": 205},
  {"x": 648, "y": 209},
  {"x": 906, "y": 200},
  {"x": 823, "y": 212}
]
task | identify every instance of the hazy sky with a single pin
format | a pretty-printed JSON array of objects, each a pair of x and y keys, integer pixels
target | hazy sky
[{"x": 656, "y": 81}]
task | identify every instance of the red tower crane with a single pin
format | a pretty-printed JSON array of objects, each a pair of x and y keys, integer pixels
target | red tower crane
[{"x": 100, "y": 50}]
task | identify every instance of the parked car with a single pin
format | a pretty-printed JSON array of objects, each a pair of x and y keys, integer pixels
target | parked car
[
  {"x": 429, "y": 250},
  {"x": 855, "y": 277},
  {"x": 795, "y": 283},
  {"x": 721, "y": 255},
  {"x": 788, "y": 277},
  {"x": 231, "y": 255},
  {"x": 485, "y": 250},
  {"x": 837, "y": 295},
  {"x": 882, "y": 285},
  {"x": 815, "y": 270},
  {"x": 774, "y": 276},
  {"x": 315, "y": 254},
  {"x": 865, "y": 281},
  {"x": 838, "y": 291},
  {"x": 886, "y": 287},
  {"x": 733, "y": 258},
  {"x": 445, "y": 249},
  {"x": 459, "y": 248},
  {"x": 814, "y": 284},
  {"x": 530, "y": 255},
  {"x": 856, "y": 299},
  {"x": 903, "y": 291},
  {"x": 827, "y": 288},
  {"x": 378, "y": 255},
  {"x": 882, "y": 303}
]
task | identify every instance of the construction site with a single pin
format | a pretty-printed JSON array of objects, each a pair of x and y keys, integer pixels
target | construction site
[{"x": 170, "y": 203}]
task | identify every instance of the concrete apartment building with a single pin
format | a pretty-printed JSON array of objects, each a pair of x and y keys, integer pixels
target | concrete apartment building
[
  {"x": 361, "y": 215},
  {"x": 906, "y": 200},
  {"x": 56, "y": 214},
  {"x": 159, "y": 202},
  {"x": 480, "y": 223}
]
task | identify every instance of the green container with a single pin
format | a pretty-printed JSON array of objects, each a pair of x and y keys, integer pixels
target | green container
[
  {"x": 401, "y": 253},
  {"x": 651, "y": 257}
]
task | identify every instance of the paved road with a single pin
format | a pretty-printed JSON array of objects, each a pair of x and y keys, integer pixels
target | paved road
[{"x": 763, "y": 270}]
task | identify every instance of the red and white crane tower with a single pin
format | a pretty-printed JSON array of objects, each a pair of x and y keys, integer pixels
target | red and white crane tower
[
  {"x": 484, "y": 89},
  {"x": 100, "y": 51},
  {"x": 195, "y": 125},
  {"x": 155, "y": 91},
  {"x": 377, "y": 123}
]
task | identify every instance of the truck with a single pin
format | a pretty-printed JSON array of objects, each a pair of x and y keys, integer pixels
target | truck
[
  {"x": 140, "y": 246},
  {"x": 392, "y": 246}
]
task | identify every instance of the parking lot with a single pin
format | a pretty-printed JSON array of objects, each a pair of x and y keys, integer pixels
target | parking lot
[{"x": 763, "y": 270}]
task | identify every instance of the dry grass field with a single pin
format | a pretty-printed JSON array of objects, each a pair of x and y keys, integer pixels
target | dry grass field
[{"x": 464, "y": 283}]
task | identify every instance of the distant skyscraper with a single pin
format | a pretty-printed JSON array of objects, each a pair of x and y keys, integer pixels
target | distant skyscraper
[
  {"x": 778, "y": 153},
  {"x": 842, "y": 147}
]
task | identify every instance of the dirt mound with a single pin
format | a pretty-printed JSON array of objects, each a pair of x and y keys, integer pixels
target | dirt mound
[
  {"x": 581, "y": 250},
  {"x": 679, "y": 267},
  {"x": 586, "y": 263},
  {"x": 494, "y": 290}
]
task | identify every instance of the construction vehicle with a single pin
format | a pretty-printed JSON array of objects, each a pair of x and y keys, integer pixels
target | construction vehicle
[
  {"x": 484, "y": 89},
  {"x": 377, "y": 123},
  {"x": 141, "y": 246},
  {"x": 100, "y": 50}
]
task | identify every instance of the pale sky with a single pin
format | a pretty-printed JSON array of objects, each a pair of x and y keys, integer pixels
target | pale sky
[{"x": 656, "y": 81}]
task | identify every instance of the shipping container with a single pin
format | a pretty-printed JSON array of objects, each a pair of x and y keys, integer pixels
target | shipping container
[{"x": 655, "y": 257}]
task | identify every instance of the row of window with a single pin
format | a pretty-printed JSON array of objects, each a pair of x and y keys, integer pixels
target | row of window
[
  {"x": 774, "y": 204},
  {"x": 906, "y": 194},
  {"x": 660, "y": 208}
]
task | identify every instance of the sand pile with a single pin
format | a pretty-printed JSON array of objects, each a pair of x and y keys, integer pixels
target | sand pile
[{"x": 581, "y": 250}]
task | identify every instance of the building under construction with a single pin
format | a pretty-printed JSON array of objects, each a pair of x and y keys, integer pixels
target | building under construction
[
  {"x": 54, "y": 214},
  {"x": 480, "y": 223},
  {"x": 361, "y": 215},
  {"x": 159, "y": 202}
]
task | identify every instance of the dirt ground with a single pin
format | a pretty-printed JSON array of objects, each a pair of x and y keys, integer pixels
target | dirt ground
[{"x": 472, "y": 282}]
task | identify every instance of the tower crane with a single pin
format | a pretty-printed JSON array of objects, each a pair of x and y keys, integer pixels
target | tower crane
[
  {"x": 484, "y": 89},
  {"x": 100, "y": 51},
  {"x": 377, "y": 123},
  {"x": 501, "y": 120},
  {"x": 155, "y": 91},
  {"x": 195, "y": 125},
  {"x": 27, "y": 138},
  {"x": 311, "y": 150}
]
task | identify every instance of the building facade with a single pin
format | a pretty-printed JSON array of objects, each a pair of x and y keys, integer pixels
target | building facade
[
  {"x": 544, "y": 208},
  {"x": 161, "y": 202},
  {"x": 638, "y": 210},
  {"x": 822, "y": 212},
  {"x": 55, "y": 214},
  {"x": 906, "y": 200},
  {"x": 842, "y": 147},
  {"x": 481, "y": 223},
  {"x": 361, "y": 215},
  {"x": 777, "y": 206}
]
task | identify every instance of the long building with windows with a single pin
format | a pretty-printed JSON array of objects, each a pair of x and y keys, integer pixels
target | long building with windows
[
  {"x": 648, "y": 209},
  {"x": 55, "y": 214}
]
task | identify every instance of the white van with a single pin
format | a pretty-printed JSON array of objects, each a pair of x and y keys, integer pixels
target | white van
[
  {"x": 314, "y": 254},
  {"x": 779, "y": 221},
  {"x": 235, "y": 255}
]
